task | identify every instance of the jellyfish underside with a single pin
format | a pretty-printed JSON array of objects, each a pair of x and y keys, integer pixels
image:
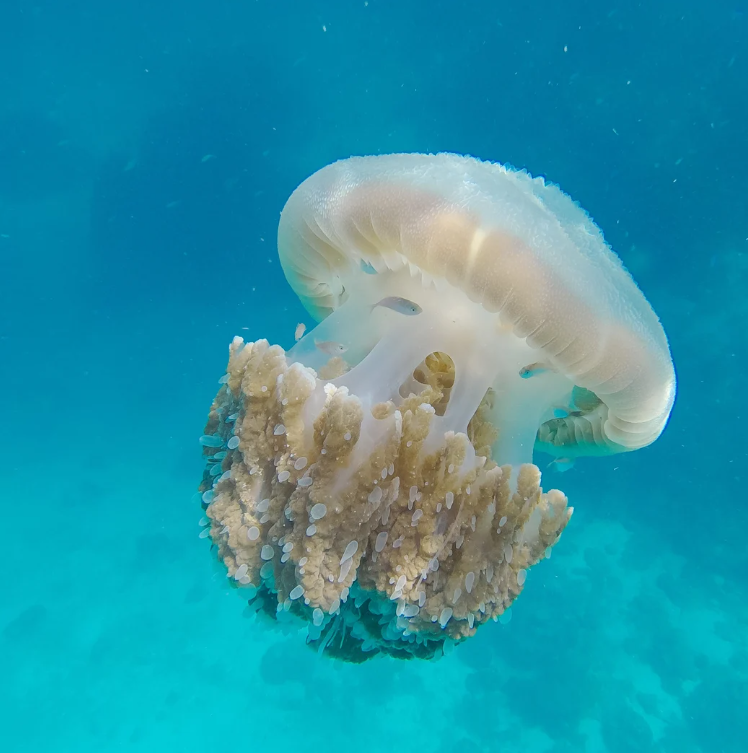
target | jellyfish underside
[
  {"x": 394, "y": 548},
  {"x": 383, "y": 348}
]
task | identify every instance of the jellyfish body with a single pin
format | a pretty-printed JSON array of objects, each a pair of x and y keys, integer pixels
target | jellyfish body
[{"x": 376, "y": 480}]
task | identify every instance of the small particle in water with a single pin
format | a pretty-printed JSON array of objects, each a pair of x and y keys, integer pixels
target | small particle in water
[
  {"x": 284, "y": 476},
  {"x": 299, "y": 464},
  {"x": 253, "y": 533},
  {"x": 521, "y": 577},
  {"x": 266, "y": 552},
  {"x": 233, "y": 443},
  {"x": 296, "y": 592},
  {"x": 300, "y": 330},
  {"x": 402, "y": 306},
  {"x": 279, "y": 429},
  {"x": 330, "y": 348},
  {"x": 305, "y": 481},
  {"x": 318, "y": 511},
  {"x": 211, "y": 440}
]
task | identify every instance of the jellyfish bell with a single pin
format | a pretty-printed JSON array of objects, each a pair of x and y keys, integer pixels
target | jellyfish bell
[
  {"x": 509, "y": 273},
  {"x": 376, "y": 480}
]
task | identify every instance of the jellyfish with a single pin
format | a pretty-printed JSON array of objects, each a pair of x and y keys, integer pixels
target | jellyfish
[{"x": 375, "y": 483}]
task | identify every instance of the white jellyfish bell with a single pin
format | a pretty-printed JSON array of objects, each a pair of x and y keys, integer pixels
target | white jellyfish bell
[{"x": 509, "y": 273}]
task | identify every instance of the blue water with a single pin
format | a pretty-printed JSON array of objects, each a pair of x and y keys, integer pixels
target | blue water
[{"x": 129, "y": 259}]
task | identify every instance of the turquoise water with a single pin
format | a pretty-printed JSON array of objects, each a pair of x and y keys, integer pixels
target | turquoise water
[{"x": 146, "y": 150}]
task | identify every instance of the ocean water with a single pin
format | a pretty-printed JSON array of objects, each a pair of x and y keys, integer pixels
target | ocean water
[{"x": 146, "y": 150}]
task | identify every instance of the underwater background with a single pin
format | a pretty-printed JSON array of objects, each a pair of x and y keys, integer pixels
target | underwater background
[{"x": 146, "y": 150}]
